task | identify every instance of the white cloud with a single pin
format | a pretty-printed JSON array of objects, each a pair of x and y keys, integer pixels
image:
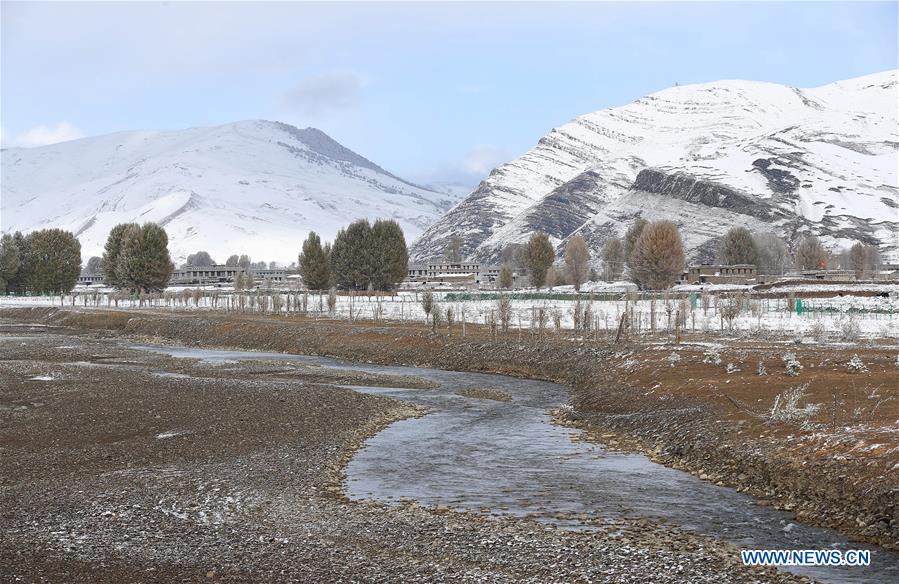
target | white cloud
[
  {"x": 323, "y": 94},
  {"x": 483, "y": 158},
  {"x": 43, "y": 135},
  {"x": 467, "y": 172}
]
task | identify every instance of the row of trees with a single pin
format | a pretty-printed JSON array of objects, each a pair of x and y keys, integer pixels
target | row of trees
[
  {"x": 42, "y": 262},
  {"x": 537, "y": 257},
  {"x": 202, "y": 259},
  {"x": 652, "y": 254},
  {"x": 364, "y": 256},
  {"x": 771, "y": 256}
]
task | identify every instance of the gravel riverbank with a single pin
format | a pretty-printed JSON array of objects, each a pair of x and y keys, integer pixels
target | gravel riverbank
[
  {"x": 690, "y": 424},
  {"x": 115, "y": 467}
]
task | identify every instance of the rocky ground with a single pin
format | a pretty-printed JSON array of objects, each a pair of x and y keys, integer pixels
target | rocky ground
[
  {"x": 837, "y": 469},
  {"x": 126, "y": 466}
]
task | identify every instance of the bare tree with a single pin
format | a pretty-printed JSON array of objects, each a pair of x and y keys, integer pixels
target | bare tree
[
  {"x": 658, "y": 258},
  {"x": 514, "y": 255},
  {"x": 453, "y": 252},
  {"x": 93, "y": 266},
  {"x": 427, "y": 301},
  {"x": 773, "y": 255},
  {"x": 872, "y": 260},
  {"x": 199, "y": 259},
  {"x": 613, "y": 259},
  {"x": 858, "y": 260},
  {"x": 551, "y": 277},
  {"x": 577, "y": 260},
  {"x": 504, "y": 308},
  {"x": 811, "y": 255},
  {"x": 506, "y": 277}
]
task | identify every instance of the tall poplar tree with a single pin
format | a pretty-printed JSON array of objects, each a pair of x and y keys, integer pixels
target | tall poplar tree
[
  {"x": 111, "y": 252},
  {"x": 144, "y": 263},
  {"x": 388, "y": 254},
  {"x": 539, "y": 256},
  {"x": 9, "y": 262},
  {"x": 350, "y": 256},
  {"x": 55, "y": 261},
  {"x": 315, "y": 266},
  {"x": 738, "y": 247},
  {"x": 658, "y": 258}
]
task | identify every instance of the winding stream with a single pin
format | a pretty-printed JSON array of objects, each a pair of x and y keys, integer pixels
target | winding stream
[{"x": 471, "y": 453}]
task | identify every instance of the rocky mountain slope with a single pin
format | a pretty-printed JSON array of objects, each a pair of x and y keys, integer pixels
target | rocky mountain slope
[
  {"x": 252, "y": 187},
  {"x": 710, "y": 156}
]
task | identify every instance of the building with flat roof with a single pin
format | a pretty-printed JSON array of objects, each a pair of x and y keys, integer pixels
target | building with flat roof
[
  {"x": 217, "y": 274},
  {"x": 721, "y": 274},
  {"x": 270, "y": 275},
  {"x": 468, "y": 274},
  {"x": 828, "y": 275},
  {"x": 91, "y": 280}
]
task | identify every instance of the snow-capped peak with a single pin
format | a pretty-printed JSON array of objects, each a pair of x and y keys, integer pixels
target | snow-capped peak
[
  {"x": 820, "y": 160},
  {"x": 254, "y": 187}
]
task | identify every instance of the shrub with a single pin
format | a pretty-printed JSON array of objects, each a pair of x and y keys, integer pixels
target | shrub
[
  {"x": 673, "y": 359},
  {"x": 786, "y": 406},
  {"x": 730, "y": 309},
  {"x": 792, "y": 364},
  {"x": 712, "y": 356},
  {"x": 818, "y": 331},
  {"x": 856, "y": 365},
  {"x": 850, "y": 330}
]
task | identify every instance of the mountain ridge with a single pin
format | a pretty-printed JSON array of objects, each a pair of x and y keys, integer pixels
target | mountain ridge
[
  {"x": 253, "y": 186},
  {"x": 823, "y": 158}
]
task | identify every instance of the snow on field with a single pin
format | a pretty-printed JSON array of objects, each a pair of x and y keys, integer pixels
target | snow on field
[{"x": 844, "y": 316}]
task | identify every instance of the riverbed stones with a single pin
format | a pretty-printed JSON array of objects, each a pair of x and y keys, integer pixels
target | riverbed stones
[{"x": 246, "y": 495}]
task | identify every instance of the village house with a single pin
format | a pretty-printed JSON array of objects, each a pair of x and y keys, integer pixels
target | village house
[
  {"x": 91, "y": 280},
  {"x": 721, "y": 274},
  {"x": 464, "y": 274},
  {"x": 217, "y": 274}
]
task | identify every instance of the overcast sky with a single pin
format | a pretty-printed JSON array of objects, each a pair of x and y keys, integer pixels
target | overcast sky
[{"x": 429, "y": 91}]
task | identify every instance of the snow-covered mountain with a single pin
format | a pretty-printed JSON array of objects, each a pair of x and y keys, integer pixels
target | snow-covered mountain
[
  {"x": 710, "y": 156},
  {"x": 253, "y": 187}
]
